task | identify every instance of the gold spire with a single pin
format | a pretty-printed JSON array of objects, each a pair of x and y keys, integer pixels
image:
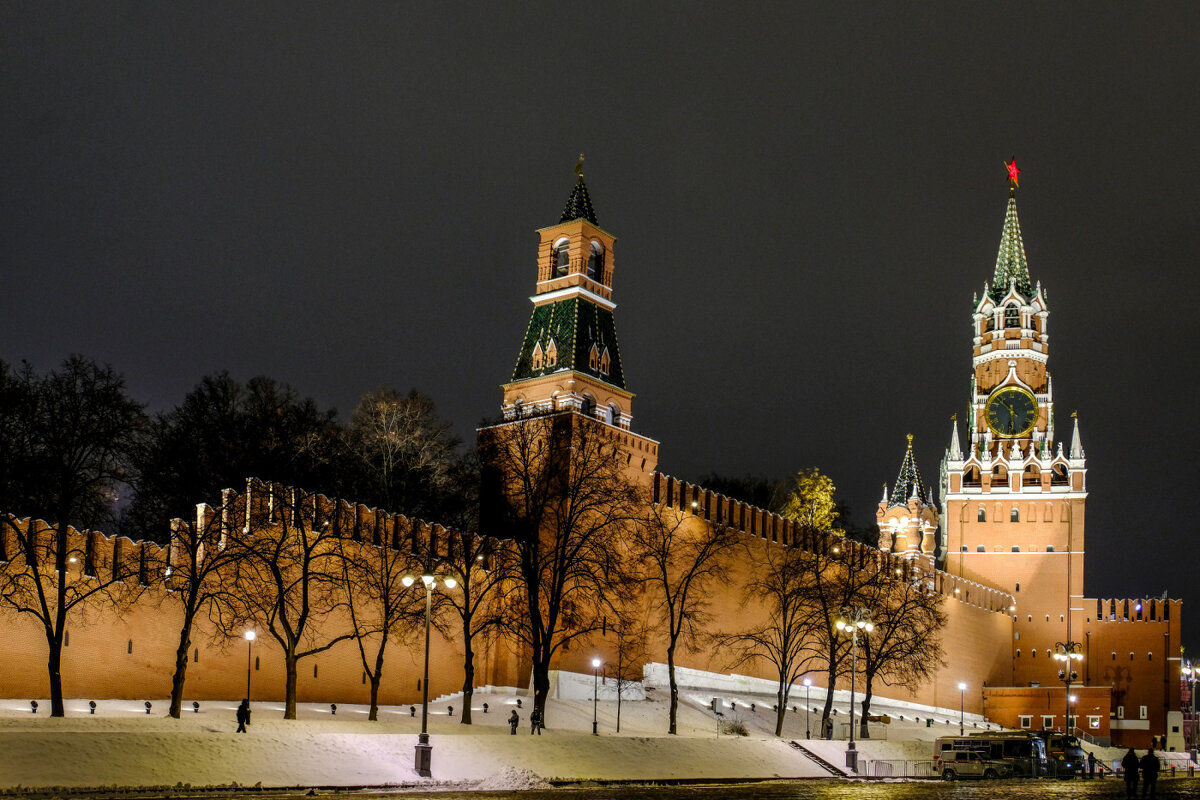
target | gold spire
[{"x": 579, "y": 167}]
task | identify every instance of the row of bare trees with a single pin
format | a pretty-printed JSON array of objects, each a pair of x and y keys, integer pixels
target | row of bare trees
[{"x": 572, "y": 548}]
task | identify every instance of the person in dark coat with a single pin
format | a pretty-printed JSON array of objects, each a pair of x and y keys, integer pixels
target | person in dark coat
[
  {"x": 514, "y": 719},
  {"x": 1091, "y": 765},
  {"x": 1149, "y": 772},
  {"x": 243, "y": 715},
  {"x": 1129, "y": 767},
  {"x": 535, "y": 722}
]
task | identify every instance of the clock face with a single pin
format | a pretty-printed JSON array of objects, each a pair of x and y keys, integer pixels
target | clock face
[{"x": 1011, "y": 412}]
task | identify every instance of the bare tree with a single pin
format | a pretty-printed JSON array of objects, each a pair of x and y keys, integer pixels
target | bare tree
[
  {"x": 778, "y": 585},
  {"x": 632, "y": 636},
  {"x": 379, "y": 604},
  {"x": 904, "y": 649},
  {"x": 290, "y": 580},
  {"x": 471, "y": 559},
  {"x": 562, "y": 496},
  {"x": 405, "y": 453},
  {"x": 69, "y": 437},
  {"x": 682, "y": 556},
  {"x": 200, "y": 578}
]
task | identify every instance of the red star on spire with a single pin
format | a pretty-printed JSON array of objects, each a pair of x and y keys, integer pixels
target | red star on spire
[{"x": 1013, "y": 172}]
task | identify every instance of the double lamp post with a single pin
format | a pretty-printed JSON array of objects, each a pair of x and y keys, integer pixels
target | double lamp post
[
  {"x": 424, "y": 750},
  {"x": 858, "y": 621}
]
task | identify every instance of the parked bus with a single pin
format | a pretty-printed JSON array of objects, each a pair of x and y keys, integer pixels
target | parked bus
[{"x": 1025, "y": 751}]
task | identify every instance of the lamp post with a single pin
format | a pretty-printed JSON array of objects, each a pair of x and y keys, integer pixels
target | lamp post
[
  {"x": 807, "y": 707},
  {"x": 962, "y": 714},
  {"x": 1190, "y": 674},
  {"x": 1068, "y": 653},
  {"x": 859, "y": 620},
  {"x": 424, "y": 750},
  {"x": 595, "y": 692},
  {"x": 250, "y": 636}
]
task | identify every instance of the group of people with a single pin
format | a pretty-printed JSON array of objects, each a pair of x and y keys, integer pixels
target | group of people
[
  {"x": 1147, "y": 765},
  {"x": 536, "y": 723}
]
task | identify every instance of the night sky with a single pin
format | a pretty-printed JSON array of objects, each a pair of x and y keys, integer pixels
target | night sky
[{"x": 343, "y": 196}]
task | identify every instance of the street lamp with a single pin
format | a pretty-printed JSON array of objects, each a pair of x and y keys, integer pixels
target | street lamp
[
  {"x": 595, "y": 692},
  {"x": 807, "y": 707},
  {"x": 250, "y": 635},
  {"x": 1068, "y": 653},
  {"x": 1190, "y": 674},
  {"x": 860, "y": 620},
  {"x": 424, "y": 750},
  {"x": 962, "y": 714}
]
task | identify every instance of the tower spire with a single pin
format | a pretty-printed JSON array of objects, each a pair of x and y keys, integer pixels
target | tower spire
[
  {"x": 955, "y": 446},
  {"x": 1076, "y": 442},
  {"x": 908, "y": 483},
  {"x": 579, "y": 204},
  {"x": 1011, "y": 266}
]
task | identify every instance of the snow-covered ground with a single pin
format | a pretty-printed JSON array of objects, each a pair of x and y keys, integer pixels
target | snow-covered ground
[{"x": 123, "y": 746}]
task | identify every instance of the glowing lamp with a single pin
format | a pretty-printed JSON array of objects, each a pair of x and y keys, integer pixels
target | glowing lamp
[
  {"x": 450, "y": 583},
  {"x": 407, "y": 580}
]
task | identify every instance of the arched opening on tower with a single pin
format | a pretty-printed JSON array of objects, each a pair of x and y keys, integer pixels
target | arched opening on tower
[
  {"x": 1032, "y": 476},
  {"x": 972, "y": 478},
  {"x": 562, "y": 257},
  {"x": 1012, "y": 316},
  {"x": 595, "y": 265},
  {"x": 1059, "y": 476}
]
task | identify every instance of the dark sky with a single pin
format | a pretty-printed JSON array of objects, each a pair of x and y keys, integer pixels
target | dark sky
[{"x": 343, "y": 196}]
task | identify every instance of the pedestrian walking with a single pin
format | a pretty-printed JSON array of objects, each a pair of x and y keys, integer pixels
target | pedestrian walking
[
  {"x": 1149, "y": 773},
  {"x": 514, "y": 719},
  {"x": 1129, "y": 767},
  {"x": 243, "y": 715},
  {"x": 535, "y": 722},
  {"x": 1091, "y": 765}
]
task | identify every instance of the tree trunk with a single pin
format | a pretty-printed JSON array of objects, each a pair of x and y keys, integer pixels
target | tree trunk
[
  {"x": 863, "y": 733},
  {"x": 376, "y": 677},
  {"x": 181, "y": 661},
  {"x": 468, "y": 676},
  {"x": 541, "y": 686},
  {"x": 830, "y": 685},
  {"x": 289, "y": 703},
  {"x": 780, "y": 710},
  {"x": 671, "y": 727},
  {"x": 373, "y": 715},
  {"x": 54, "y": 667}
]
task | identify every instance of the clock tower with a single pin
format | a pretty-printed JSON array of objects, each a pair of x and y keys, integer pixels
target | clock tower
[{"x": 1013, "y": 490}]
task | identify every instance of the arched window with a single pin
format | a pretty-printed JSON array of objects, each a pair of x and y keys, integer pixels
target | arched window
[
  {"x": 1012, "y": 316},
  {"x": 537, "y": 356},
  {"x": 562, "y": 257},
  {"x": 982, "y": 516},
  {"x": 980, "y": 548},
  {"x": 605, "y": 362},
  {"x": 594, "y": 359},
  {"x": 1058, "y": 475},
  {"x": 614, "y": 414},
  {"x": 595, "y": 266},
  {"x": 589, "y": 405},
  {"x": 551, "y": 355},
  {"x": 971, "y": 478},
  {"x": 1014, "y": 516}
]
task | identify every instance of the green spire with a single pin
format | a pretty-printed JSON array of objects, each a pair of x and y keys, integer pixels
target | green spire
[
  {"x": 909, "y": 482},
  {"x": 579, "y": 204},
  {"x": 1010, "y": 261}
]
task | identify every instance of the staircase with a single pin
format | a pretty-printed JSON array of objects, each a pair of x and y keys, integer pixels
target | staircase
[{"x": 820, "y": 762}]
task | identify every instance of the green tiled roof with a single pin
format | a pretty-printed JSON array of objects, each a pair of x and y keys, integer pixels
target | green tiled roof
[
  {"x": 1010, "y": 261},
  {"x": 579, "y": 205},
  {"x": 575, "y": 325}
]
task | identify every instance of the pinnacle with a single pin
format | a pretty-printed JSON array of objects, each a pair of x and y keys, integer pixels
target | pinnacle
[
  {"x": 579, "y": 204},
  {"x": 1012, "y": 269},
  {"x": 908, "y": 483}
]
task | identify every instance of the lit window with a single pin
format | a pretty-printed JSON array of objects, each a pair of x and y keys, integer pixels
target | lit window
[{"x": 1093, "y": 721}]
